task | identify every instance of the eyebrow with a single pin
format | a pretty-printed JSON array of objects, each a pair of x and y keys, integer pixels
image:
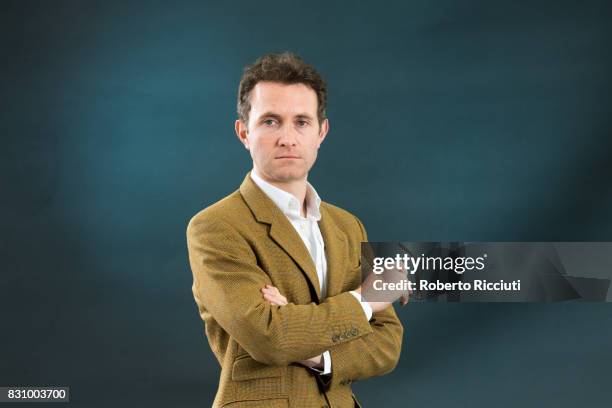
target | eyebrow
[
  {"x": 269, "y": 115},
  {"x": 304, "y": 116},
  {"x": 278, "y": 117}
]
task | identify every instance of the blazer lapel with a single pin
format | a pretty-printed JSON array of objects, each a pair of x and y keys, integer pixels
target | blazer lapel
[
  {"x": 281, "y": 230},
  {"x": 287, "y": 237},
  {"x": 335, "y": 252}
]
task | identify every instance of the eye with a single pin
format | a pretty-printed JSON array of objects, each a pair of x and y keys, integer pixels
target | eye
[
  {"x": 269, "y": 122},
  {"x": 302, "y": 123}
]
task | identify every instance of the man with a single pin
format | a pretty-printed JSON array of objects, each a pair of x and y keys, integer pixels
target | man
[{"x": 276, "y": 270}]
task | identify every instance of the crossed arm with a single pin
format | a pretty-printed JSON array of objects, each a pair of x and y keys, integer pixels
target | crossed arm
[
  {"x": 226, "y": 279},
  {"x": 272, "y": 295}
]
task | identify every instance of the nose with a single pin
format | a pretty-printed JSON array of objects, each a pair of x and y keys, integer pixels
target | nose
[{"x": 287, "y": 137}]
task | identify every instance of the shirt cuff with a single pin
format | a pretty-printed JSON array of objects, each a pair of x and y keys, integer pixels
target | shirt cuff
[
  {"x": 367, "y": 309},
  {"x": 326, "y": 360},
  {"x": 326, "y": 363}
]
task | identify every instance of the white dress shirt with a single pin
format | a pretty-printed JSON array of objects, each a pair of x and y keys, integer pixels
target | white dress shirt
[{"x": 308, "y": 229}]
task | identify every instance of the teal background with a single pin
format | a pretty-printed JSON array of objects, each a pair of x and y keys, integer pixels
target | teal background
[{"x": 450, "y": 121}]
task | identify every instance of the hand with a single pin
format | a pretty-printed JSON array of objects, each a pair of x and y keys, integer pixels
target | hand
[
  {"x": 272, "y": 295},
  {"x": 313, "y": 362}
]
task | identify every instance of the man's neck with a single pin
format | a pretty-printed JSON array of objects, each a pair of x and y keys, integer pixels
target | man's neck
[{"x": 297, "y": 188}]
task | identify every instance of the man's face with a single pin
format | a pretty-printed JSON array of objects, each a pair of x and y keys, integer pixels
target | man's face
[{"x": 283, "y": 133}]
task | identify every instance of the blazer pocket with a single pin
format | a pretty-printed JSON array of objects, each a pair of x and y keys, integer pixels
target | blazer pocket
[{"x": 245, "y": 368}]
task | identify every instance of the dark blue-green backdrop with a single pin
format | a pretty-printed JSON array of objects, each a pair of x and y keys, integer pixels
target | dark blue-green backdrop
[{"x": 450, "y": 120}]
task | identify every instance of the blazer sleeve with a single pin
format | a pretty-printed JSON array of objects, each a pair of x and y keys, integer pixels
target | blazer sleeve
[
  {"x": 378, "y": 351},
  {"x": 227, "y": 284}
]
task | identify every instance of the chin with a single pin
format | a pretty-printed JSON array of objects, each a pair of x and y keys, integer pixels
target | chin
[{"x": 288, "y": 175}]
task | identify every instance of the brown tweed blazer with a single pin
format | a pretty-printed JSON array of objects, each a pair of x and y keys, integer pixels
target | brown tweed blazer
[{"x": 243, "y": 242}]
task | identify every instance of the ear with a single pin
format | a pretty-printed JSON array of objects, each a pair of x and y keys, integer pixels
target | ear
[
  {"x": 323, "y": 131},
  {"x": 242, "y": 132}
]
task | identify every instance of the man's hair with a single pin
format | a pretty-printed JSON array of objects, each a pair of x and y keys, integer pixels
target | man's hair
[{"x": 286, "y": 68}]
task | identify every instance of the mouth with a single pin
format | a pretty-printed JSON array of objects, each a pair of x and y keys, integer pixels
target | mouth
[{"x": 287, "y": 157}]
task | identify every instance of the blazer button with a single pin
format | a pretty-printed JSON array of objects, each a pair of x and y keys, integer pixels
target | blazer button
[
  {"x": 335, "y": 338},
  {"x": 341, "y": 337},
  {"x": 354, "y": 331}
]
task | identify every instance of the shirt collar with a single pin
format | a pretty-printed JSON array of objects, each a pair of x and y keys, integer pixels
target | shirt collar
[{"x": 287, "y": 202}]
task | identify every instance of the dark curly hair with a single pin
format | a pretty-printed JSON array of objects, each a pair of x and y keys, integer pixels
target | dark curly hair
[{"x": 286, "y": 68}]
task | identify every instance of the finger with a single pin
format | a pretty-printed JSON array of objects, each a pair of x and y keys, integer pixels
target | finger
[
  {"x": 275, "y": 299},
  {"x": 277, "y": 293},
  {"x": 280, "y": 299},
  {"x": 270, "y": 297}
]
